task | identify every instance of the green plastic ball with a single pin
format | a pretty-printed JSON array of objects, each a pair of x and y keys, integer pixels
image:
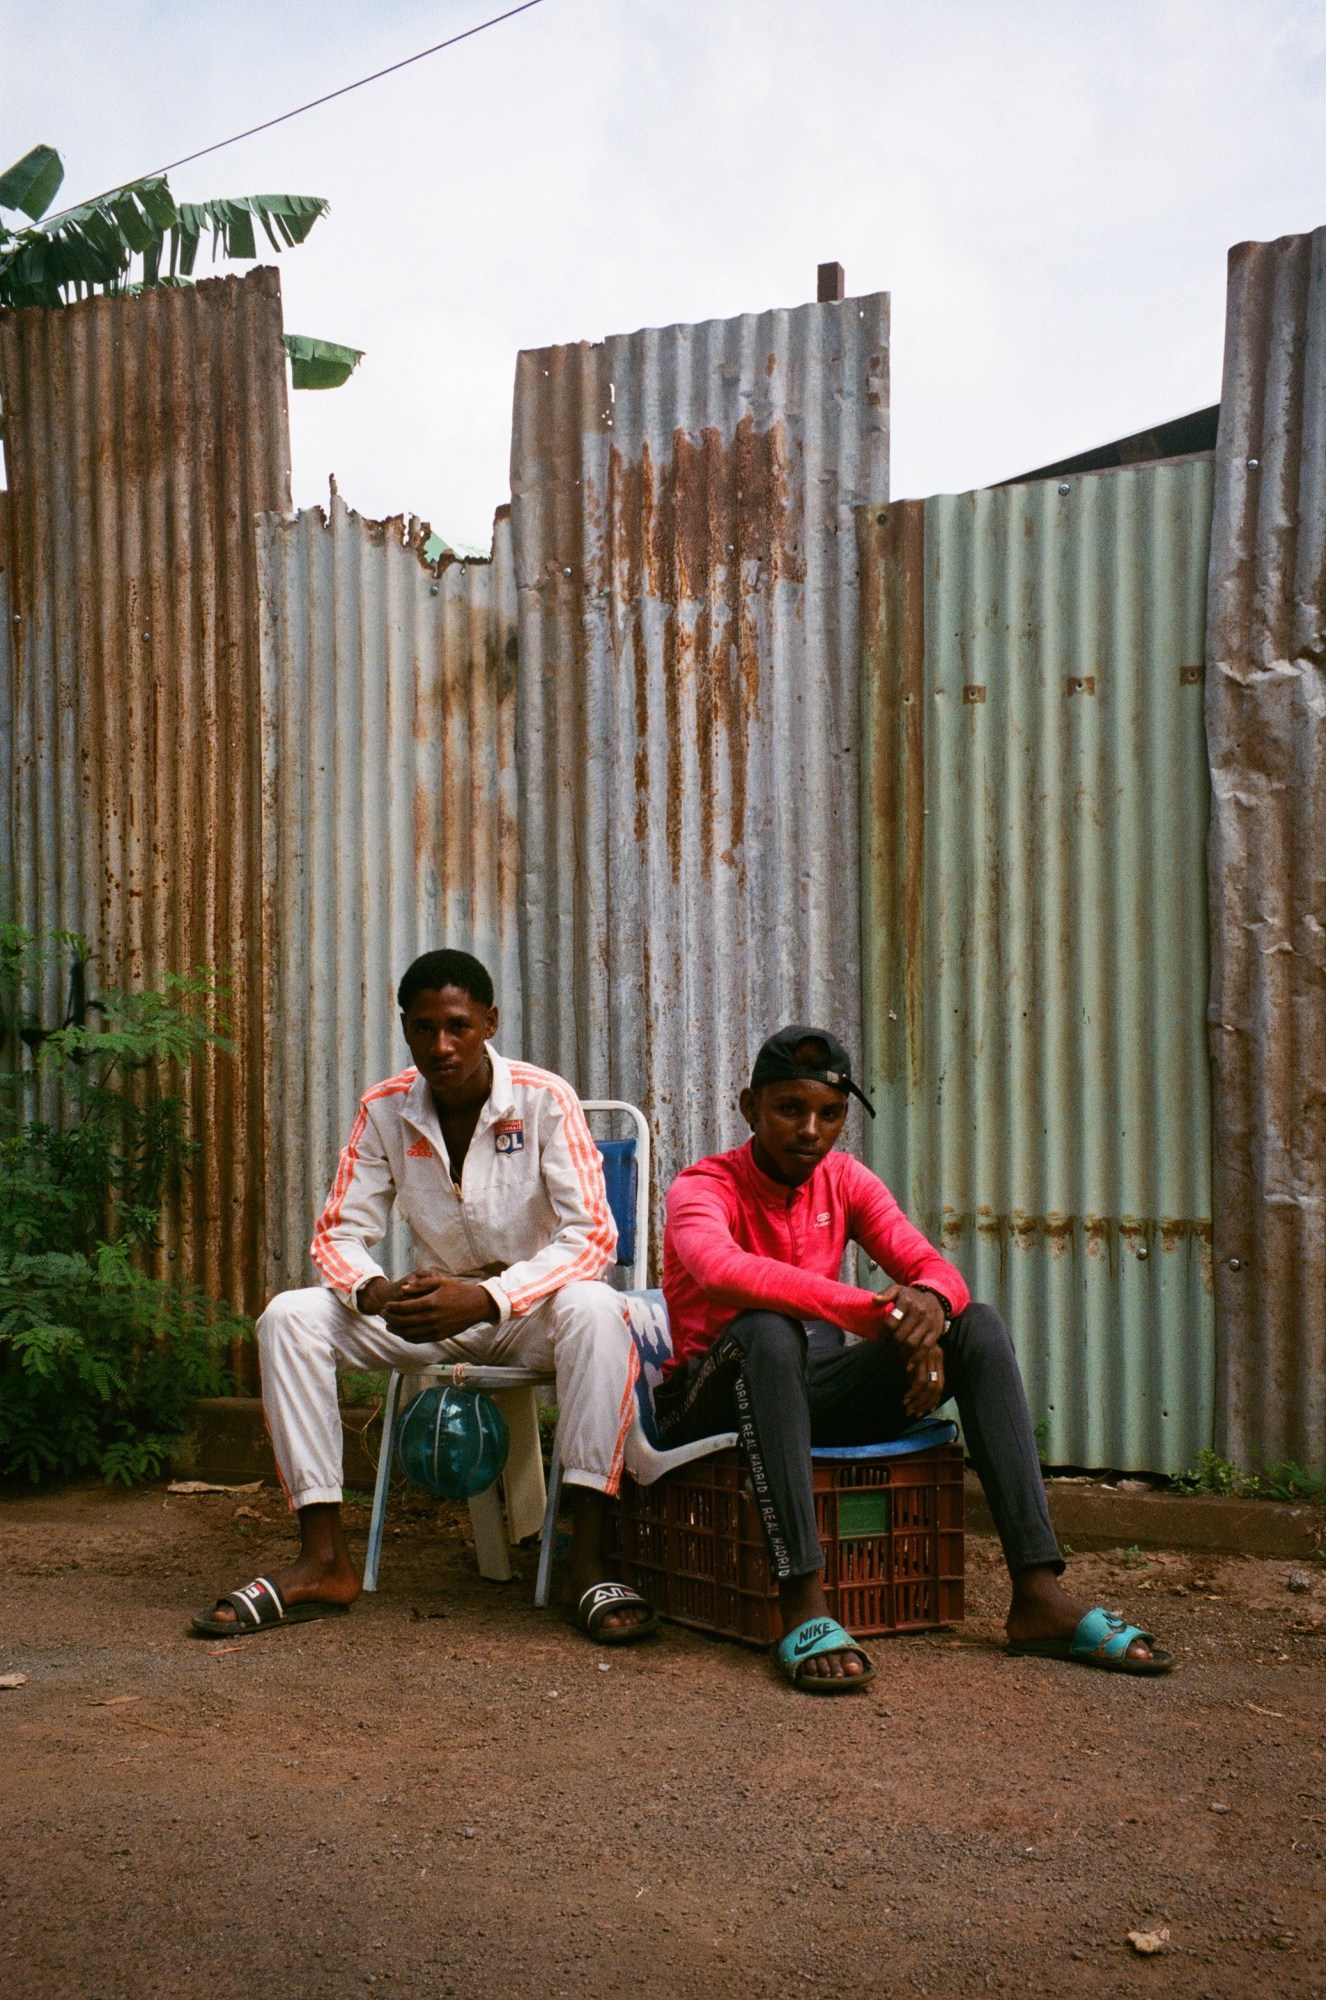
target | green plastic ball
[{"x": 451, "y": 1442}]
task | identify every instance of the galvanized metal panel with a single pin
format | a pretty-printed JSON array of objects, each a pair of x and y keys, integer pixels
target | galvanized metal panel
[
  {"x": 1035, "y": 930},
  {"x": 687, "y": 575},
  {"x": 8, "y": 913},
  {"x": 142, "y": 435},
  {"x": 1266, "y": 721},
  {"x": 389, "y": 816}
]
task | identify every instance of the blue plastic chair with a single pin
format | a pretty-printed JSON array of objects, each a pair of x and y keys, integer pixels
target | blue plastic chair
[{"x": 529, "y": 1501}]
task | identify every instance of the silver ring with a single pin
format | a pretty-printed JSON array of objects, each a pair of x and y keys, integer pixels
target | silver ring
[{"x": 934, "y": 1375}]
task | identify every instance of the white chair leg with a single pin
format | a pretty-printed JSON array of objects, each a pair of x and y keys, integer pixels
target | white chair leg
[
  {"x": 543, "y": 1581},
  {"x": 380, "y": 1488},
  {"x": 490, "y": 1543},
  {"x": 522, "y": 1481}
]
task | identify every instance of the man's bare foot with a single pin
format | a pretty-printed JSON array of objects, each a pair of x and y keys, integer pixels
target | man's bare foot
[
  {"x": 1042, "y": 1609},
  {"x": 800, "y": 1598},
  {"x": 321, "y": 1573},
  {"x": 586, "y": 1563}
]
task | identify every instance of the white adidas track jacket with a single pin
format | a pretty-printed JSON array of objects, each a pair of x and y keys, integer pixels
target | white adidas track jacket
[{"x": 531, "y": 1214}]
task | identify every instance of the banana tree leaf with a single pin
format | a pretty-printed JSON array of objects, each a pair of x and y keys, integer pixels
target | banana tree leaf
[
  {"x": 320, "y": 364},
  {"x": 135, "y": 227},
  {"x": 157, "y": 199},
  {"x": 38, "y": 270},
  {"x": 31, "y": 183},
  {"x": 286, "y": 219},
  {"x": 183, "y": 250},
  {"x": 130, "y": 214},
  {"x": 239, "y": 238},
  {"x": 92, "y": 247},
  {"x": 89, "y": 248}
]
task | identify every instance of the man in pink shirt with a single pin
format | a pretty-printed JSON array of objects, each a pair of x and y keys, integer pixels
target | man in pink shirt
[{"x": 752, "y": 1250}]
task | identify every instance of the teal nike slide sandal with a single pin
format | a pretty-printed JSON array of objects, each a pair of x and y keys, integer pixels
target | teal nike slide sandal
[
  {"x": 1101, "y": 1640},
  {"x": 816, "y": 1636}
]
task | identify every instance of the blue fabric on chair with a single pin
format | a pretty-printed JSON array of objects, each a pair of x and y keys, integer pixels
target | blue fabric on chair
[
  {"x": 647, "y": 1317},
  {"x": 619, "y": 1180}
]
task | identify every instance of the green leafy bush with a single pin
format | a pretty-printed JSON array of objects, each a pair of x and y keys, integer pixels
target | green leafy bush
[
  {"x": 1209, "y": 1473},
  {"x": 362, "y": 1385},
  {"x": 1290, "y": 1481},
  {"x": 99, "y": 1361}
]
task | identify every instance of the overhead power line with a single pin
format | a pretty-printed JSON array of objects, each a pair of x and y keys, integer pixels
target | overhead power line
[{"x": 313, "y": 103}]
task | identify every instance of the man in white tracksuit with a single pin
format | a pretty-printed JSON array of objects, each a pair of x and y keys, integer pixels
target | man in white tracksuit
[{"x": 492, "y": 1165}]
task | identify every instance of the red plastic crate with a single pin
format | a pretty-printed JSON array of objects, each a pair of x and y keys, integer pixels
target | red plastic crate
[{"x": 891, "y": 1530}]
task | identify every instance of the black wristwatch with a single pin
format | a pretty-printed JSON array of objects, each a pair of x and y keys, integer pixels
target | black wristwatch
[{"x": 944, "y": 1305}]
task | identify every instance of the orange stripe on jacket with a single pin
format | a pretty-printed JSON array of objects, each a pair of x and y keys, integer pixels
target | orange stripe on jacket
[
  {"x": 584, "y": 1157},
  {"x": 323, "y": 1252},
  {"x": 626, "y": 1418},
  {"x": 580, "y": 1144}
]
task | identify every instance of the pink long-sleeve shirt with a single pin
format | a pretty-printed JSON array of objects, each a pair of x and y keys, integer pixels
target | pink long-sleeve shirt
[{"x": 736, "y": 1239}]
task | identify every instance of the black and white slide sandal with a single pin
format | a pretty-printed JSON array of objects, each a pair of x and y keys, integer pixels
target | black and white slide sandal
[
  {"x": 600, "y": 1601},
  {"x": 260, "y": 1607}
]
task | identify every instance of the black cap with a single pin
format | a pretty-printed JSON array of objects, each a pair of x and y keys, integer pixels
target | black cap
[{"x": 777, "y": 1062}]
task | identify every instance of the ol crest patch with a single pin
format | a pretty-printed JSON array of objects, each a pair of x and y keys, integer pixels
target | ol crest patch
[{"x": 510, "y": 1135}]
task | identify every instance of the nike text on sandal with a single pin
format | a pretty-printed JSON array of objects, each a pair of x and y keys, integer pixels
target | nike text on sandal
[
  {"x": 1101, "y": 1640},
  {"x": 260, "y": 1607},
  {"x": 808, "y": 1642},
  {"x": 600, "y": 1601}
]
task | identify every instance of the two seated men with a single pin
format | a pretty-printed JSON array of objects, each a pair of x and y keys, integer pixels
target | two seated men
[{"x": 492, "y": 1165}]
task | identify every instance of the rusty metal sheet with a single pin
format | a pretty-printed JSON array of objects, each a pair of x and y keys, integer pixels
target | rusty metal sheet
[
  {"x": 687, "y": 575},
  {"x": 142, "y": 435},
  {"x": 1036, "y": 933},
  {"x": 389, "y": 816},
  {"x": 8, "y": 913},
  {"x": 1266, "y": 721}
]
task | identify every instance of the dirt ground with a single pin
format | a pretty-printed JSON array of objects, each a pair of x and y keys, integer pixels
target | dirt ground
[{"x": 449, "y": 1793}]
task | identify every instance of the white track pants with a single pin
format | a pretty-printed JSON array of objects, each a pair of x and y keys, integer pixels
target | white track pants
[{"x": 579, "y": 1334}]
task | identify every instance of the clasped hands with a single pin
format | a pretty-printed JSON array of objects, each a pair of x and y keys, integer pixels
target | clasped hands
[
  {"x": 428, "y": 1305},
  {"x": 914, "y": 1322}
]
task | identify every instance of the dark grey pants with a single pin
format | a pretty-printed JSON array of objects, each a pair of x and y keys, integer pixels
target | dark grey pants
[{"x": 784, "y": 1387}]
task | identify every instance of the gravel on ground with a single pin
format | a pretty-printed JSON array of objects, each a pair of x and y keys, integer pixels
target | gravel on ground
[{"x": 451, "y": 1794}]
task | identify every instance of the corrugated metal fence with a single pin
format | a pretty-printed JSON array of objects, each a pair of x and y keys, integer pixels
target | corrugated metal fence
[
  {"x": 686, "y": 564},
  {"x": 647, "y": 813},
  {"x": 142, "y": 435},
  {"x": 1036, "y": 940},
  {"x": 6, "y": 735},
  {"x": 686, "y": 688},
  {"x": 389, "y": 816},
  {"x": 1266, "y": 719}
]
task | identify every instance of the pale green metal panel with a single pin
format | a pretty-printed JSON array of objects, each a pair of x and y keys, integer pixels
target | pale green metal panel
[{"x": 1036, "y": 930}]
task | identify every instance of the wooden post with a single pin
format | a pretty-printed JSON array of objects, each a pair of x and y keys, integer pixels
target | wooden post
[{"x": 832, "y": 286}]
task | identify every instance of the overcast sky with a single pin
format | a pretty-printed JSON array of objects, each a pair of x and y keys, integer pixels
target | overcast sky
[{"x": 1047, "y": 188}]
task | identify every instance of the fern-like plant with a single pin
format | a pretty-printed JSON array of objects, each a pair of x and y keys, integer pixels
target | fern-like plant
[{"x": 99, "y": 1361}]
